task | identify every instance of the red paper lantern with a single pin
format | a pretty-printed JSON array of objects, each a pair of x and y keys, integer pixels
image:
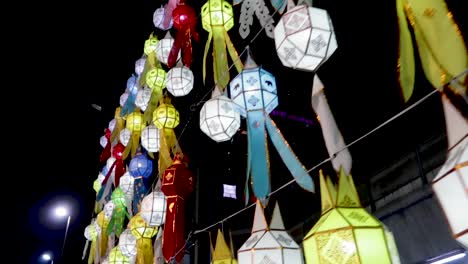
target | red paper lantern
[
  {"x": 177, "y": 185},
  {"x": 185, "y": 21}
]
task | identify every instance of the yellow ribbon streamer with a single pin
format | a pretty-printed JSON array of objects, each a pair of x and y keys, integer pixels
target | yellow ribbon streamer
[
  {"x": 145, "y": 251},
  {"x": 92, "y": 252}
]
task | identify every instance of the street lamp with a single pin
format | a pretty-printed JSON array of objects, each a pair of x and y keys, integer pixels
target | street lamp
[
  {"x": 47, "y": 257},
  {"x": 61, "y": 212}
]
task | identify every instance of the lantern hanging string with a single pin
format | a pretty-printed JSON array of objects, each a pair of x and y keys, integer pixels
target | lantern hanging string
[{"x": 399, "y": 114}]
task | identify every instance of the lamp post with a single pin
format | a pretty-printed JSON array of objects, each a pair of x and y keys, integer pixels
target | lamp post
[
  {"x": 61, "y": 211},
  {"x": 47, "y": 257}
]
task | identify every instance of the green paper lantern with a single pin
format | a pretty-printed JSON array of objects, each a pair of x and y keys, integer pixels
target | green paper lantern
[
  {"x": 156, "y": 79},
  {"x": 166, "y": 116}
]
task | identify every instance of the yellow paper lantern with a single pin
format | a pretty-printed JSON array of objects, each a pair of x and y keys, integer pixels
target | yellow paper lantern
[
  {"x": 150, "y": 44},
  {"x": 102, "y": 222},
  {"x": 135, "y": 122},
  {"x": 156, "y": 79},
  {"x": 143, "y": 233},
  {"x": 222, "y": 254},
  {"x": 116, "y": 257},
  {"x": 346, "y": 232},
  {"x": 166, "y": 116}
]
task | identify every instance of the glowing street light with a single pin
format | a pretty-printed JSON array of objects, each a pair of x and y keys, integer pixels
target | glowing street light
[
  {"x": 47, "y": 257},
  {"x": 60, "y": 212}
]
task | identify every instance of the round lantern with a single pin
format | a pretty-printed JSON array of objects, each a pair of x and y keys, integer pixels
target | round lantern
[
  {"x": 142, "y": 98},
  {"x": 126, "y": 184},
  {"x": 111, "y": 125},
  {"x": 153, "y": 208},
  {"x": 218, "y": 118},
  {"x": 179, "y": 81},
  {"x": 98, "y": 182},
  {"x": 150, "y": 44},
  {"x": 158, "y": 19},
  {"x": 150, "y": 138},
  {"x": 163, "y": 49},
  {"x": 124, "y": 136},
  {"x": 135, "y": 121},
  {"x": 116, "y": 257},
  {"x": 140, "y": 166},
  {"x": 304, "y": 38},
  {"x": 92, "y": 231},
  {"x": 217, "y": 13},
  {"x": 156, "y": 78},
  {"x": 166, "y": 116},
  {"x": 132, "y": 84},
  {"x": 109, "y": 209},
  {"x": 123, "y": 98},
  {"x": 140, "y": 229},
  {"x": 127, "y": 243},
  {"x": 140, "y": 65},
  {"x": 103, "y": 141}
]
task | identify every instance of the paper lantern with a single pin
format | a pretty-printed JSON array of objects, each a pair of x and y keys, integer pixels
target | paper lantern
[
  {"x": 127, "y": 243},
  {"x": 126, "y": 184},
  {"x": 254, "y": 93},
  {"x": 179, "y": 81},
  {"x": 112, "y": 123},
  {"x": 218, "y": 118},
  {"x": 304, "y": 37},
  {"x": 150, "y": 138},
  {"x": 143, "y": 98},
  {"x": 92, "y": 233},
  {"x": 103, "y": 141},
  {"x": 97, "y": 183},
  {"x": 217, "y": 19},
  {"x": 221, "y": 253},
  {"x": 156, "y": 79},
  {"x": 346, "y": 232},
  {"x": 451, "y": 183},
  {"x": 140, "y": 167},
  {"x": 177, "y": 185},
  {"x": 150, "y": 45},
  {"x": 153, "y": 208},
  {"x": 135, "y": 124},
  {"x": 185, "y": 22},
  {"x": 140, "y": 65},
  {"x": 166, "y": 116},
  {"x": 163, "y": 49},
  {"x": 143, "y": 233},
  {"x": 158, "y": 18},
  {"x": 125, "y": 136},
  {"x": 123, "y": 98},
  {"x": 116, "y": 257},
  {"x": 269, "y": 244}
]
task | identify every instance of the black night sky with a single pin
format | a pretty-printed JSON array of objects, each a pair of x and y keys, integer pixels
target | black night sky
[{"x": 81, "y": 53}]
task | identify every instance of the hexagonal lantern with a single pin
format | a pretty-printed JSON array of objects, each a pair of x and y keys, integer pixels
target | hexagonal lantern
[
  {"x": 253, "y": 89},
  {"x": 304, "y": 37},
  {"x": 158, "y": 18},
  {"x": 179, "y": 81},
  {"x": 150, "y": 138},
  {"x": 163, "y": 48}
]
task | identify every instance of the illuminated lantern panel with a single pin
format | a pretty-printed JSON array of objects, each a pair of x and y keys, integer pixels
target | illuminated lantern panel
[
  {"x": 116, "y": 257},
  {"x": 166, "y": 116},
  {"x": 150, "y": 45},
  {"x": 150, "y": 138},
  {"x": 304, "y": 38},
  {"x": 140, "y": 166},
  {"x": 451, "y": 188},
  {"x": 269, "y": 244},
  {"x": 153, "y": 208},
  {"x": 346, "y": 232},
  {"x": 112, "y": 124},
  {"x": 127, "y": 243},
  {"x": 124, "y": 136},
  {"x": 156, "y": 78},
  {"x": 140, "y": 65},
  {"x": 135, "y": 122},
  {"x": 254, "y": 89},
  {"x": 98, "y": 182},
  {"x": 126, "y": 184},
  {"x": 229, "y": 191},
  {"x": 140, "y": 229},
  {"x": 218, "y": 118},
  {"x": 142, "y": 98},
  {"x": 158, "y": 18},
  {"x": 164, "y": 48},
  {"x": 103, "y": 141},
  {"x": 92, "y": 231},
  {"x": 179, "y": 81},
  {"x": 217, "y": 13}
]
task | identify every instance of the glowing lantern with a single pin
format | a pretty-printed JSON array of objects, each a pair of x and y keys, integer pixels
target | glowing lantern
[
  {"x": 269, "y": 245},
  {"x": 123, "y": 98},
  {"x": 179, "y": 81},
  {"x": 217, "y": 19},
  {"x": 125, "y": 135},
  {"x": 116, "y": 257},
  {"x": 127, "y": 100},
  {"x": 304, "y": 37},
  {"x": 177, "y": 185},
  {"x": 222, "y": 254},
  {"x": 254, "y": 93},
  {"x": 91, "y": 233},
  {"x": 346, "y": 232},
  {"x": 112, "y": 123},
  {"x": 150, "y": 45},
  {"x": 218, "y": 118},
  {"x": 119, "y": 212},
  {"x": 163, "y": 49},
  {"x": 451, "y": 183},
  {"x": 127, "y": 243},
  {"x": 140, "y": 167},
  {"x": 185, "y": 22},
  {"x": 140, "y": 65},
  {"x": 127, "y": 186},
  {"x": 158, "y": 18},
  {"x": 156, "y": 79},
  {"x": 143, "y": 233},
  {"x": 103, "y": 141},
  {"x": 166, "y": 116},
  {"x": 143, "y": 98},
  {"x": 153, "y": 208},
  {"x": 98, "y": 182},
  {"x": 135, "y": 124},
  {"x": 150, "y": 138}
]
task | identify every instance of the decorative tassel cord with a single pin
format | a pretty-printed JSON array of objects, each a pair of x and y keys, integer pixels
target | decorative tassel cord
[{"x": 336, "y": 153}]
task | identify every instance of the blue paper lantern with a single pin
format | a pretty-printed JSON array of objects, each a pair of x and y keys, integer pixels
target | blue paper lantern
[{"x": 140, "y": 166}]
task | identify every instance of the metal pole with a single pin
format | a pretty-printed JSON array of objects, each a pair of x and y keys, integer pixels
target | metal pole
[{"x": 65, "y": 238}]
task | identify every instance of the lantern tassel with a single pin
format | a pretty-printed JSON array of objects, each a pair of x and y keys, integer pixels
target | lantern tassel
[
  {"x": 156, "y": 95},
  {"x": 119, "y": 124},
  {"x": 171, "y": 5},
  {"x": 220, "y": 63},
  {"x": 207, "y": 48},
  {"x": 106, "y": 152},
  {"x": 165, "y": 159},
  {"x": 117, "y": 220},
  {"x": 144, "y": 251},
  {"x": 138, "y": 193}
]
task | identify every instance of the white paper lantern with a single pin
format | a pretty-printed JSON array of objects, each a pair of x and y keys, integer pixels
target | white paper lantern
[
  {"x": 103, "y": 141},
  {"x": 164, "y": 48},
  {"x": 153, "y": 208},
  {"x": 150, "y": 138},
  {"x": 132, "y": 84},
  {"x": 126, "y": 184},
  {"x": 127, "y": 243},
  {"x": 123, "y": 98},
  {"x": 92, "y": 231},
  {"x": 98, "y": 182},
  {"x": 109, "y": 209},
  {"x": 179, "y": 81},
  {"x": 124, "y": 136},
  {"x": 109, "y": 162},
  {"x": 269, "y": 244},
  {"x": 158, "y": 18},
  {"x": 140, "y": 65},
  {"x": 304, "y": 37},
  {"x": 112, "y": 124},
  {"x": 116, "y": 257},
  {"x": 218, "y": 118},
  {"x": 142, "y": 98}
]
